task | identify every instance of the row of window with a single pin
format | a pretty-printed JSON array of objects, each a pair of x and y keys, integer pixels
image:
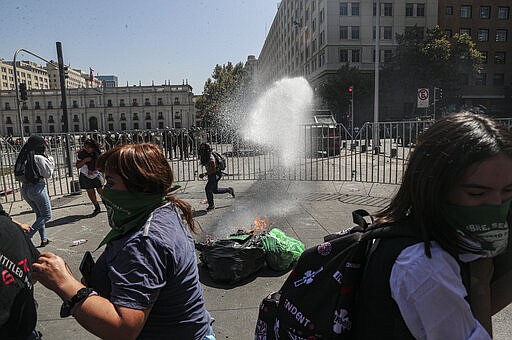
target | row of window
[
  {"x": 501, "y": 35},
  {"x": 485, "y": 12},
  {"x": 76, "y": 127},
  {"x": 354, "y": 32},
  {"x": 92, "y": 104},
  {"x": 387, "y": 9},
  {"x": 355, "y": 55},
  {"x": 110, "y": 117},
  {"x": 498, "y": 79}
]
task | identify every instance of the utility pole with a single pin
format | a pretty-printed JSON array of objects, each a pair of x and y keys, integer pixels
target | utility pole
[
  {"x": 376, "y": 141},
  {"x": 64, "y": 105}
]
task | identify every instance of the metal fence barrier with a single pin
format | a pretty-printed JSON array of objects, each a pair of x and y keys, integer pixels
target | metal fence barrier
[{"x": 328, "y": 153}]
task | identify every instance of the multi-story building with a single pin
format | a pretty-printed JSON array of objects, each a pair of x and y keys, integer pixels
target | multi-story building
[
  {"x": 102, "y": 109},
  {"x": 489, "y": 23},
  {"x": 108, "y": 81},
  {"x": 36, "y": 77},
  {"x": 314, "y": 38}
]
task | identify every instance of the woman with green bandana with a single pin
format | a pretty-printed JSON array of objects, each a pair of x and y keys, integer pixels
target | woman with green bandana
[
  {"x": 449, "y": 280},
  {"x": 145, "y": 284}
]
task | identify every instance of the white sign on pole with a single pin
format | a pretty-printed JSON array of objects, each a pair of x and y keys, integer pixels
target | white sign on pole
[{"x": 423, "y": 95}]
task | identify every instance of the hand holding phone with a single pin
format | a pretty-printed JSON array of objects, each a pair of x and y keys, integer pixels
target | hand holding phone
[{"x": 86, "y": 267}]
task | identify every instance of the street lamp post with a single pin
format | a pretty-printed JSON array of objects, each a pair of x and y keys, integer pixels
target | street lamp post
[
  {"x": 16, "y": 87},
  {"x": 376, "y": 93}
]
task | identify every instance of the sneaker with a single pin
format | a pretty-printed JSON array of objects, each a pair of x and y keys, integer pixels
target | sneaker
[
  {"x": 210, "y": 208},
  {"x": 96, "y": 211},
  {"x": 231, "y": 191},
  {"x": 44, "y": 243}
]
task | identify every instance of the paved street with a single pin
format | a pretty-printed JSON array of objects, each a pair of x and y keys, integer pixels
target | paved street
[{"x": 305, "y": 210}]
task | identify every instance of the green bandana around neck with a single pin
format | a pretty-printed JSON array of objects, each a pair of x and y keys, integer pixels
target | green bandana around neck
[
  {"x": 125, "y": 210},
  {"x": 485, "y": 224}
]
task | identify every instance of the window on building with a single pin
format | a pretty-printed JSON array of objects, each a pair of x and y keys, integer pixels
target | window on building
[
  {"x": 148, "y": 125},
  {"x": 343, "y": 8},
  {"x": 485, "y": 12},
  {"x": 465, "y": 11},
  {"x": 388, "y": 55},
  {"x": 483, "y": 34},
  {"x": 321, "y": 16},
  {"x": 485, "y": 56},
  {"x": 136, "y": 126},
  {"x": 25, "y": 120},
  {"x": 500, "y": 57},
  {"x": 354, "y": 7},
  {"x": 343, "y": 32},
  {"x": 354, "y": 30},
  {"x": 10, "y": 131},
  {"x": 148, "y": 116},
  {"x": 123, "y": 116},
  {"x": 409, "y": 10},
  {"x": 503, "y": 13},
  {"x": 91, "y": 103},
  {"x": 160, "y": 125},
  {"x": 75, "y": 104},
  {"x": 39, "y": 129},
  {"x": 343, "y": 56},
  {"x": 134, "y": 102},
  {"x": 160, "y": 115},
  {"x": 356, "y": 56},
  {"x": 160, "y": 102},
  {"x": 7, "y": 106},
  {"x": 388, "y": 32},
  {"x": 465, "y": 31},
  {"x": 121, "y": 102},
  {"x": 110, "y": 117},
  {"x": 8, "y": 120},
  {"x": 135, "y": 116},
  {"x": 123, "y": 126},
  {"x": 501, "y": 35},
  {"x": 481, "y": 79},
  {"x": 50, "y": 106},
  {"x": 498, "y": 79},
  {"x": 448, "y": 32},
  {"x": 109, "y": 102},
  {"x": 146, "y": 102},
  {"x": 420, "y": 10},
  {"x": 388, "y": 9},
  {"x": 322, "y": 38},
  {"x": 51, "y": 128}
]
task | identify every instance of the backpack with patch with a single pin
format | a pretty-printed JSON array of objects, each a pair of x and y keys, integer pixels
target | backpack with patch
[
  {"x": 219, "y": 160},
  {"x": 317, "y": 300}
]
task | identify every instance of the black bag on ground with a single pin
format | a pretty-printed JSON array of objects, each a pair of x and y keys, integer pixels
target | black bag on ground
[
  {"x": 317, "y": 299},
  {"x": 230, "y": 261}
]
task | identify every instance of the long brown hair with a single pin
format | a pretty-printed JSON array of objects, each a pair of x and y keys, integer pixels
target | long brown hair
[
  {"x": 441, "y": 157},
  {"x": 143, "y": 168}
]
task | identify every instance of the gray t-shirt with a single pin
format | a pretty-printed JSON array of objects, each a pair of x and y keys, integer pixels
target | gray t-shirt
[{"x": 155, "y": 267}]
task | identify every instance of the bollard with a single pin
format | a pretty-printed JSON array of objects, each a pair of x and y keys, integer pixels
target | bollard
[
  {"x": 394, "y": 153},
  {"x": 74, "y": 186}
]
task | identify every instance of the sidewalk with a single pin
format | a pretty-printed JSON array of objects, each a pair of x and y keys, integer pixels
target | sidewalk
[{"x": 304, "y": 210}]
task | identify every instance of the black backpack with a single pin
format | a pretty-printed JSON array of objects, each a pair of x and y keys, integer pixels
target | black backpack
[
  {"x": 27, "y": 172},
  {"x": 317, "y": 300},
  {"x": 220, "y": 161}
]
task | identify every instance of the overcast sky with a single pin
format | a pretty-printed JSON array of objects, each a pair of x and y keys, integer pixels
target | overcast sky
[{"x": 152, "y": 40}]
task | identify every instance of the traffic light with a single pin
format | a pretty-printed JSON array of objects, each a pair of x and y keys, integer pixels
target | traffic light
[
  {"x": 23, "y": 91},
  {"x": 66, "y": 72},
  {"x": 351, "y": 89},
  {"x": 438, "y": 93}
]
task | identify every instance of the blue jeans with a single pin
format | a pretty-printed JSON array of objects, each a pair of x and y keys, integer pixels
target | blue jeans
[{"x": 38, "y": 199}]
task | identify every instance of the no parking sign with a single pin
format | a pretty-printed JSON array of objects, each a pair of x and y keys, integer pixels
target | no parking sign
[{"x": 423, "y": 95}]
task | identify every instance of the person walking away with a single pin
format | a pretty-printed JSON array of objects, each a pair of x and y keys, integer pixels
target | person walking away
[
  {"x": 36, "y": 166},
  {"x": 214, "y": 175},
  {"x": 455, "y": 195},
  {"x": 18, "y": 313},
  {"x": 145, "y": 284},
  {"x": 90, "y": 178}
]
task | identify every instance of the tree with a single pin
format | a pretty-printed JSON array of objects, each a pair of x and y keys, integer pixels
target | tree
[
  {"x": 434, "y": 60},
  {"x": 335, "y": 92},
  {"x": 227, "y": 83}
]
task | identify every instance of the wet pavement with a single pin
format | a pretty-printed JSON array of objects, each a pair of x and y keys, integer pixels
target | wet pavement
[{"x": 304, "y": 210}]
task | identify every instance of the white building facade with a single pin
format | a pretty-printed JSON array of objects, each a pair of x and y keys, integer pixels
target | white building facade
[
  {"x": 314, "y": 38},
  {"x": 102, "y": 109}
]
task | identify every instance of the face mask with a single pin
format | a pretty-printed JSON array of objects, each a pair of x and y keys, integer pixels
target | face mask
[
  {"x": 125, "y": 209},
  {"x": 484, "y": 224}
]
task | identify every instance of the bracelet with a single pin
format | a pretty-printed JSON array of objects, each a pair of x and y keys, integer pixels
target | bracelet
[
  {"x": 69, "y": 305},
  {"x": 80, "y": 302}
]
